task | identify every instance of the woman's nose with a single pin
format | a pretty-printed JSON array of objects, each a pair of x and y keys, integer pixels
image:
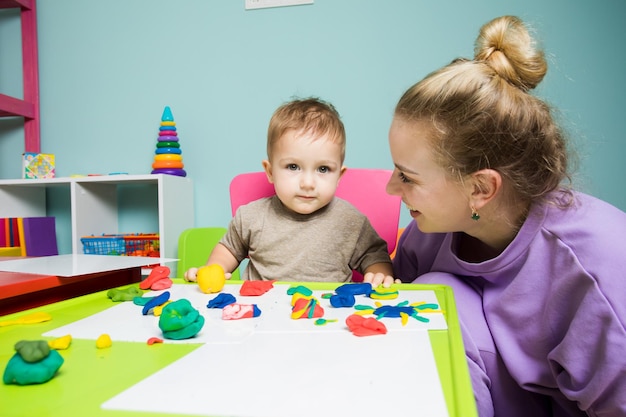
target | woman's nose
[{"x": 392, "y": 185}]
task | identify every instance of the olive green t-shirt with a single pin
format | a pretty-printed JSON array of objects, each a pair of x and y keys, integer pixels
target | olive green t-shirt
[{"x": 324, "y": 246}]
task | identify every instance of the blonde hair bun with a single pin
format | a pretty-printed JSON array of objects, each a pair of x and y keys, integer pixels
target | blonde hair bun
[{"x": 506, "y": 45}]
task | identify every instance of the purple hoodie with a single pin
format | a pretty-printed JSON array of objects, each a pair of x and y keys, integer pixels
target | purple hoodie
[{"x": 544, "y": 323}]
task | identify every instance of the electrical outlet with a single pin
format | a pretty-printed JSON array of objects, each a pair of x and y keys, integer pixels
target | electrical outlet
[{"x": 263, "y": 4}]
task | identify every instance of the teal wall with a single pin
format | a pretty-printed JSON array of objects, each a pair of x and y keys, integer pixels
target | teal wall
[{"x": 108, "y": 68}]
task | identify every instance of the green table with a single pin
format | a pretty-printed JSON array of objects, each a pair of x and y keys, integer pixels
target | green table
[{"x": 91, "y": 376}]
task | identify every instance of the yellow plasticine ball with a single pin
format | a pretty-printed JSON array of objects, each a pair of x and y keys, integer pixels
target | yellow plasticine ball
[
  {"x": 211, "y": 278},
  {"x": 104, "y": 341}
]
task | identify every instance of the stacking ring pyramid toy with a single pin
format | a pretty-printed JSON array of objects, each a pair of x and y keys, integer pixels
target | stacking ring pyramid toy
[{"x": 168, "y": 157}]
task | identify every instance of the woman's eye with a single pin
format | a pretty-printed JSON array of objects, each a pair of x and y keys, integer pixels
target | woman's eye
[{"x": 404, "y": 178}]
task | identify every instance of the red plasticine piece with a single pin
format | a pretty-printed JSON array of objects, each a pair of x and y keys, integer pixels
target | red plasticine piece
[
  {"x": 361, "y": 326},
  {"x": 154, "y": 340},
  {"x": 306, "y": 309},
  {"x": 158, "y": 272},
  {"x": 237, "y": 311},
  {"x": 255, "y": 287},
  {"x": 162, "y": 284}
]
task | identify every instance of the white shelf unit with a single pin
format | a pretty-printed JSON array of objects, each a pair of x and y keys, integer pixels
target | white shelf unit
[{"x": 94, "y": 204}]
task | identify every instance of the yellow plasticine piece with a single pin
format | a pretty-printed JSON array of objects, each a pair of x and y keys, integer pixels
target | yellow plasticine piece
[
  {"x": 211, "y": 278},
  {"x": 363, "y": 312},
  {"x": 60, "y": 343},
  {"x": 168, "y": 157},
  {"x": 297, "y": 314},
  {"x": 158, "y": 309},
  {"x": 33, "y": 318},
  {"x": 104, "y": 341},
  {"x": 404, "y": 317},
  {"x": 298, "y": 296},
  {"x": 382, "y": 293}
]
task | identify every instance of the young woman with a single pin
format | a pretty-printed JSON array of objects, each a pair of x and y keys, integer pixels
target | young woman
[{"x": 538, "y": 270}]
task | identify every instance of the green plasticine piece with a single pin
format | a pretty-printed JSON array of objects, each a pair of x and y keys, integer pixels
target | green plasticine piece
[
  {"x": 321, "y": 322},
  {"x": 427, "y": 306},
  {"x": 187, "y": 332},
  {"x": 177, "y": 314},
  {"x": 312, "y": 307},
  {"x": 420, "y": 318},
  {"x": 32, "y": 350},
  {"x": 20, "y": 372},
  {"x": 127, "y": 294},
  {"x": 300, "y": 289},
  {"x": 141, "y": 301},
  {"x": 179, "y": 320}
]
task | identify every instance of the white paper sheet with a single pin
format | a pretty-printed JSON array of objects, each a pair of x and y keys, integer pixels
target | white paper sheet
[{"x": 305, "y": 375}]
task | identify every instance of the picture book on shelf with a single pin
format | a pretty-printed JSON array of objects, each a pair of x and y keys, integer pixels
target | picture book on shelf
[{"x": 38, "y": 165}]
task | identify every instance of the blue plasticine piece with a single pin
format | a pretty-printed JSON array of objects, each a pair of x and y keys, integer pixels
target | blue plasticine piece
[
  {"x": 256, "y": 312},
  {"x": 167, "y": 115},
  {"x": 364, "y": 288},
  {"x": 156, "y": 301},
  {"x": 221, "y": 301},
  {"x": 342, "y": 300}
]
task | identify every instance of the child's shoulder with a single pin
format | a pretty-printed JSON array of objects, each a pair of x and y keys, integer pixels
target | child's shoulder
[
  {"x": 344, "y": 206},
  {"x": 256, "y": 205}
]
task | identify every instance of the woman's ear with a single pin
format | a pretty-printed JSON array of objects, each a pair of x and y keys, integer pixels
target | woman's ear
[
  {"x": 267, "y": 167},
  {"x": 486, "y": 184}
]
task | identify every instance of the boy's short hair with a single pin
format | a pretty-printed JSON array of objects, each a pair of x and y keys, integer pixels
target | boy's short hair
[{"x": 310, "y": 115}]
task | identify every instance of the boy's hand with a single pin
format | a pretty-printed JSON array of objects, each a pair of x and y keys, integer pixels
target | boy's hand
[
  {"x": 378, "y": 278},
  {"x": 191, "y": 274}
]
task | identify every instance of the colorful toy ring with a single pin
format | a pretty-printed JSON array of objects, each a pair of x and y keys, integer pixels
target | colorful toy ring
[
  {"x": 167, "y": 164},
  {"x": 178, "y": 172},
  {"x": 167, "y": 151},
  {"x": 168, "y": 157},
  {"x": 168, "y": 144}
]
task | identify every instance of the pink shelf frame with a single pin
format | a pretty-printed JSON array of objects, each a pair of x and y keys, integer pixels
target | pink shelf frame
[{"x": 28, "y": 108}]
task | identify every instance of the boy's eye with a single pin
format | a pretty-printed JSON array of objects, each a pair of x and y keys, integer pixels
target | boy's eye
[
  {"x": 292, "y": 167},
  {"x": 323, "y": 170}
]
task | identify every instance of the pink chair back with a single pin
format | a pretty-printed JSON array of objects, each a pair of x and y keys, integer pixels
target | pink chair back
[{"x": 364, "y": 188}]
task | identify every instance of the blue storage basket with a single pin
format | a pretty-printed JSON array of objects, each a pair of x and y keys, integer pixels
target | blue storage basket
[{"x": 104, "y": 245}]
